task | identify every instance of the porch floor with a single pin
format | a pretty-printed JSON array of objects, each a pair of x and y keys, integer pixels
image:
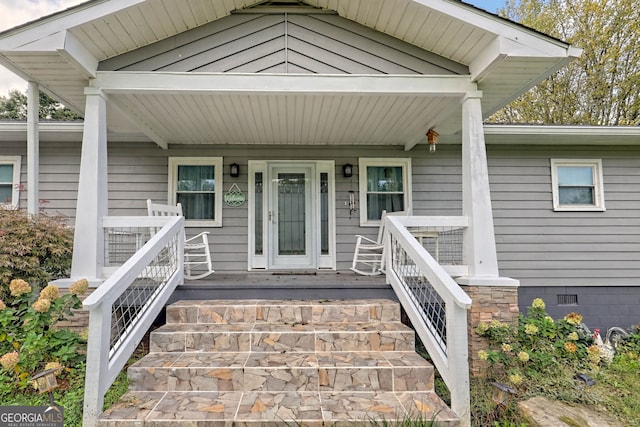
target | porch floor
[{"x": 285, "y": 285}]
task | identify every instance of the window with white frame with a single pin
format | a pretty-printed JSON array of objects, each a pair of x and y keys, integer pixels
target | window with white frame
[
  {"x": 384, "y": 186},
  {"x": 577, "y": 185},
  {"x": 9, "y": 181},
  {"x": 196, "y": 183}
]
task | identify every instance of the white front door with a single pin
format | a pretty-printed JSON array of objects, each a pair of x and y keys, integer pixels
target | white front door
[{"x": 291, "y": 216}]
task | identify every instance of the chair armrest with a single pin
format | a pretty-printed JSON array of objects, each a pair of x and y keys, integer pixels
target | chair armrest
[
  {"x": 203, "y": 235},
  {"x": 361, "y": 238}
]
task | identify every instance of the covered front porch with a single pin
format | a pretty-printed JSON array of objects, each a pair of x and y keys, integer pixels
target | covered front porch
[
  {"x": 124, "y": 306},
  {"x": 401, "y": 92}
]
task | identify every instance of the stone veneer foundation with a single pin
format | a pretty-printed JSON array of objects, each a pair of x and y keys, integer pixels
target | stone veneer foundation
[
  {"x": 79, "y": 322},
  {"x": 489, "y": 303}
]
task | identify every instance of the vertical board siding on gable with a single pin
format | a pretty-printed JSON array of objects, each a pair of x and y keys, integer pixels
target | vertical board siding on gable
[
  {"x": 541, "y": 247},
  {"x": 291, "y": 43}
]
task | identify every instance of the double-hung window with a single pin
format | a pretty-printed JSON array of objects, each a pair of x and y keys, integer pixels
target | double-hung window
[
  {"x": 9, "y": 181},
  {"x": 384, "y": 186},
  {"x": 196, "y": 183},
  {"x": 577, "y": 185}
]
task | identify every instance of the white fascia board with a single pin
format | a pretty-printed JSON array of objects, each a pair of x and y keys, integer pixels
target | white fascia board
[
  {"x": 66, "y": 19},
  {"x": 68, "y": 46},
  {"x": 500, "y": 48},
  {"x": 577, "y": 131},
  {"x": 497, "y": 25},
  {"x": 54, "y": 131},
  {"x": 333, "y": 84},
  {"x": 78, "y": 55}
]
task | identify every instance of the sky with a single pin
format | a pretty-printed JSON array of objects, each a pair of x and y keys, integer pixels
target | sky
[{"x": 17, "y": 12}]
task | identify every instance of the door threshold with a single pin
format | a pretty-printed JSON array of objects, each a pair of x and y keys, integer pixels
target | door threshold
[{"x": 293, "y": 273}]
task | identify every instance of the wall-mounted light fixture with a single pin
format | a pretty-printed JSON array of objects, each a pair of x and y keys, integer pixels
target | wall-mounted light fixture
[
  {"x": 432, "y": 140},
  {"x": 234, "y": 170},
  {"x": 347, "y": 170}
]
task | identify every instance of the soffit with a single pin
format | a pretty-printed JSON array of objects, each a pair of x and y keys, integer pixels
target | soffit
[{"x": 105, "y": 29}]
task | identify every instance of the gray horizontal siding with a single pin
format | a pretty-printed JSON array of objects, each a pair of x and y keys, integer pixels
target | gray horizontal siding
[
  {"x": 138, "y": 171},
  {"x": 279, "y": 43},
  {"x": 536, "y": 245},
  {"x": 541, "y": 247}
]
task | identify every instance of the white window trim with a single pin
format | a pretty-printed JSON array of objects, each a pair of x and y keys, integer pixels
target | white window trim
[
  {"x": 16, "y": 162},
  {"x": 363, "y": 162},
  {"x": 596, "y": 165},
  {"x": 217, "y": 162}
]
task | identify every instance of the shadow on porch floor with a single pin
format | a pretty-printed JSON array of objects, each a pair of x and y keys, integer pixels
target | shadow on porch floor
[{"x": 285, "y": 285}]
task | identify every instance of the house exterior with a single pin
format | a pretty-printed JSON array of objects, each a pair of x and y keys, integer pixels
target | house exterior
[{"x": 286, "y": 127}]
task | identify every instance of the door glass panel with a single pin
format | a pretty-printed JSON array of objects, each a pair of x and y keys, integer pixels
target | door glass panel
[
  {"x": 291, "y": 214},
  {"x": 258, "y": 213},
  {"x": 324, "y": 213}
]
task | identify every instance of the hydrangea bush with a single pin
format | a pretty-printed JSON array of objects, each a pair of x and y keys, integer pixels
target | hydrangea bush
[
  {"x": 537, "y": 346},
  {"x": 29, "y": 341},
  {"x": 35, "y": 248}
]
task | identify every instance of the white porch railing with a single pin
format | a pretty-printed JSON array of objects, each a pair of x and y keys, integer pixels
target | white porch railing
[
  {"x": 433, "y": 301},
  {"x": 123, "y": 308}
]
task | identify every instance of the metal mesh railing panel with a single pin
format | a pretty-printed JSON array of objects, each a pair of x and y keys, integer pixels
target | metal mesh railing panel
[
  {"x": 432, "y": 307},
  {"x": 442, "y": 242},
  {"x": 120, "y": 243},
  {"x": 133, "y": 302}
]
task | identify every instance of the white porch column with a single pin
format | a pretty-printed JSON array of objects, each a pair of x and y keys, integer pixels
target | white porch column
[
  {"x": 33, "y": 148},
  {"x": 479, "y": 239},
  {"x": 88, "y": 243}
]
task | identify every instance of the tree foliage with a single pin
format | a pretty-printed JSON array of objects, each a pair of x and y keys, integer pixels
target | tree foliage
[
  {"x": 602, "y": 86},
  {"x": 14, "y": 107}
]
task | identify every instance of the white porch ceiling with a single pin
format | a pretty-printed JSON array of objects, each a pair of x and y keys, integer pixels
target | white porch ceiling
[
  {"x": 224, "y": 108},
  {"x": 61, "y": 53}
]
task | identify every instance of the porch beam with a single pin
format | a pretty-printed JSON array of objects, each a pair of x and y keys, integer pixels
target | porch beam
[
  {"x": 140, "y": 122},
  {"x": 88, "y": 242},
  {"x": 117, "y": 82}
]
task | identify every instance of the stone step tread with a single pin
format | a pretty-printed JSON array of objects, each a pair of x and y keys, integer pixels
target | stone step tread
[
  {"x": 171, "y": 328},
  {"x": 275, "y": 408},
  {"x": 356, "y": 371},
  {"x": 282, "y": 311},
  {"x": 388, "y": 336},
  {"x": 281, "y": 360}
]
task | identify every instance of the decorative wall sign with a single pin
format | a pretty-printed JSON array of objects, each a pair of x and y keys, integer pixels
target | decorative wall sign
[{"x": 234, "y": 196}]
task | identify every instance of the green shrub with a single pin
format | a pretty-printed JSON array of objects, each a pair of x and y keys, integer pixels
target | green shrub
[
  {"x": 29, "y": 342},
  {"x": 539, "y": 352},
  {"x": 35, "y": 248}
]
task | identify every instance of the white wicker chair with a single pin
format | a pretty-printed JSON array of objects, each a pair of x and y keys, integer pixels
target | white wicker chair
[{"x": 197, "y": 257}]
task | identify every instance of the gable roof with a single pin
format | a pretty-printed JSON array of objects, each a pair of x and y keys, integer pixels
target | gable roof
[{"x": 62, "y": 51}]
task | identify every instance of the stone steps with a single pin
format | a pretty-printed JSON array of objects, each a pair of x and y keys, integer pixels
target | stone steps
[
  {"x": 259, "y": 363},
  {"x": 248, "y": 371},
  {"x": 264, "y": 337}
]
